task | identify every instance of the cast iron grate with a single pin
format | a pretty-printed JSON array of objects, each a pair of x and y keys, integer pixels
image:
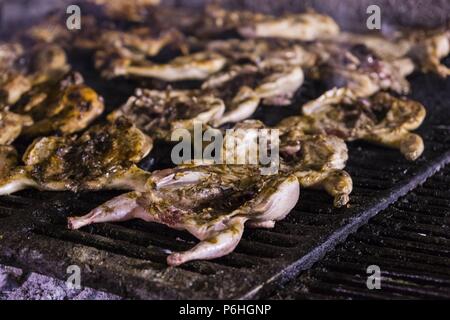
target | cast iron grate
[{"x": 410, "y": 242}]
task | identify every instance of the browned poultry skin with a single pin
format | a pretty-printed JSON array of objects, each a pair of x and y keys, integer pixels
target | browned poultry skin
[
  {"x": 103, "y": 157},
  {"x": 305, "y": 26},
  {"x": 66, "y": 106},
  {"x": 358, "y": 68},
  {"x": 11, "y": 126},
  {"x": 118, "y": 52},
  {"x": 317, "y": 160},
  {"x": 211, "y": 202},
  {"x": 8, "y": 160},
  {"x": 22, "y": 69},
  {"x": 159, "y": 113},
  {"x": 428, "y": 49},
  {"x": 130, "y": 10},
  {"x": 381, "y": 119},
  {"x": 195, "y": 66},
  {"x": 262, "y": 71}
]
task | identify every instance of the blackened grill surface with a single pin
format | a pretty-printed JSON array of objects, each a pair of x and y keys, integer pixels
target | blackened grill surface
[{"x": 410, "y": 242}]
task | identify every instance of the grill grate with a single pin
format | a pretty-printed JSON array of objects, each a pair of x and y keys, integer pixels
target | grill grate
[{"x": 410, "y": 242}]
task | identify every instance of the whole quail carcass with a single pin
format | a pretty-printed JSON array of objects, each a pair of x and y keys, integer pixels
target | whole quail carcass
[
  {"x": 317, "y": 160},
  {"x": 103, "y": 157},
  {"x": 11, "y": 126},
  {"x": 21, "y": 69},
  {"x": 356, "y": 67},
  {"x": 267, "y": 72},
  {"x": 425, "y": 48},
  {"x": 428, "y": 50},
  {"x": 65, "y": 106},
  {"x": 159, "y": 113},
  {"x": 382, "y": 119},
  {"x": 121, "y": 53},
  {"x": 304, "y": 26},
  {"x": 195, "y": 66},
  {"x": 213, "y": 203}
]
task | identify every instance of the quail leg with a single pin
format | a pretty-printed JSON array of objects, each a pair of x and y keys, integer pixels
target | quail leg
[
  {"x": 120, "y": 208},
  {"x": 410, "y": 144},
  {"x": 337, "y": 183},
  {"x": 215, "y": 246}
]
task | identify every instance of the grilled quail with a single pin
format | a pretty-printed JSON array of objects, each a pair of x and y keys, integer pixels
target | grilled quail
[
  {"x": 8, "y": 160},
  {"x": 425, "y": 48},
  {"x": 11, "y": 126},
  {"x": 258, "y": 71},
  {"x": 103, "y": 157},
  {"x": 428, "y": 50},
  {"x": 65, "y": 106},
  {"x": 359, "y": 69},
  {"x": 213, "y": 203},
  {"x": 20, "y": 69},
  {"x": 130, "y": 10},
  {"x": 119, "y": 53},
  {"x": 381, "y": 119},
  {"x": 158, "y": 113},
  {"x": 196, "y": 66},
  {"x": 317, "y": 160},
  {"x": 318, "y": 163},
  {"x": 306, "y": 26}
]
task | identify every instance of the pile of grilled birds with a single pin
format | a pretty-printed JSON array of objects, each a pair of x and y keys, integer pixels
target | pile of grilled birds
[{"x": 234, "y": 62}]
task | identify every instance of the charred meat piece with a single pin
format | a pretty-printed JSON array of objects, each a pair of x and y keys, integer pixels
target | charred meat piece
[
  {"x": 263, "y": 53},
  {"x": 196, "y": 66},
  {"x": 236, "y": 87},
  {"x": 64, "y": 106},
  {"x": 318, "y": 163},
  {"x": 8, "y": 160},
  {"x": 22, "y": 69},
  {"x": 213, "y": 203},
  {"x": 427, "y": 50},
  {"x": 317, "y": 160},
  {"x": 158, "y": 113},
  {"x": 103, "y": 157},
  {"x": 381, "y": 119},
  {"x": 116, "y": 51},
  {"x": 305, "y": 26},
  {"x": 11, "y": 126},
  {"x": 359, "y": 69},
  {"x": 137, "y": 43},
  {"x": 130, "y": 10},
  {"x": 12, "y": 83},
  {"x": 260, "y": 71}
]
